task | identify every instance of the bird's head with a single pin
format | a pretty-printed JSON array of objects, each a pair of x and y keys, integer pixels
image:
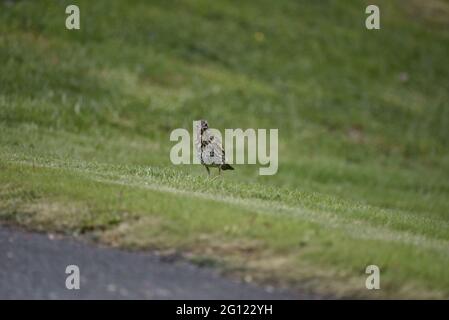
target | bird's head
[{"x": 203, "y": 126}]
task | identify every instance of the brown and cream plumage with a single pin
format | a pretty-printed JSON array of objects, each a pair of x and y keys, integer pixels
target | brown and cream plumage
[{"x": 209, "y": 149}]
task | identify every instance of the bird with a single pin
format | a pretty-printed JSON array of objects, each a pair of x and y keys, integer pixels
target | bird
[{"x": 209, "y": 149}]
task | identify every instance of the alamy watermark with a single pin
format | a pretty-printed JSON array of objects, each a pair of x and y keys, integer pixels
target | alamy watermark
[
  {"x": 373, "y": 20},
  {"x": 72, "y": 282},
  {"x": 261, "y": 146},
  {"x": 373, "y": 280},
  {"x": 72, "y": 22}
]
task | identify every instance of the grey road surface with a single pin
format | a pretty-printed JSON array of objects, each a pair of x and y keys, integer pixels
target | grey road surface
[{"x": 33, "y": 265}]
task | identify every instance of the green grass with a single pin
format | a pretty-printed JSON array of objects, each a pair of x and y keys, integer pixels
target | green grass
[{"x": 363, "y": 119}]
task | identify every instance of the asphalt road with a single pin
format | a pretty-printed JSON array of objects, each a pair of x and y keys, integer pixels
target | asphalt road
[{"x": 33, "y": 265}]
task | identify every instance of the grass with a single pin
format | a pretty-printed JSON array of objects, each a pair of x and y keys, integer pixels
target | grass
[{"x": 363, "y": 119}]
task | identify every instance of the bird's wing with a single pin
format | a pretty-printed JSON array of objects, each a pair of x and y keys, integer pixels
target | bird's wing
[
  {"x": 214, "y": 144},
  {"x": 218, "y": 150}
]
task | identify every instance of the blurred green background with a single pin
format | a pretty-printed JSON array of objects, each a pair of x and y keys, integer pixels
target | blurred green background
[{"x": 85, "y": 117}]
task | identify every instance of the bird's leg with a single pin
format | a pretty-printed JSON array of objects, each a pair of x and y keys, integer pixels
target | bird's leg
[
  {"x": 216, "y": 175},
  {"x": 208, "y": 171}
]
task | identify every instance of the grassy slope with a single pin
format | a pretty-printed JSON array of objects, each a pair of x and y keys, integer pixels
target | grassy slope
[{"x": 85, "y": 118}]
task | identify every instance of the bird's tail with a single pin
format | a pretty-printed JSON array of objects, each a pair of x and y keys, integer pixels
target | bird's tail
[{"x": 226, "y": 167}]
